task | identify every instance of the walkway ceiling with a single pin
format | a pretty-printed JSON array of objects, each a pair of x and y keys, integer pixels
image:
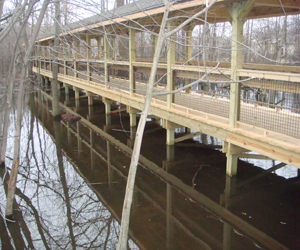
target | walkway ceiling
[{"x": 130, "y": 15}]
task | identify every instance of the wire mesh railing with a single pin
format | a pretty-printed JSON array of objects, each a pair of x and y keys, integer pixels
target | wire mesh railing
[
  {"x": 267, "y": 104},
  {"x": 272, "y": 105}
]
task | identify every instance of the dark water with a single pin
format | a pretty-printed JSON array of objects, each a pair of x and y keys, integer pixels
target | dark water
[{"x": 72, "y": 181}]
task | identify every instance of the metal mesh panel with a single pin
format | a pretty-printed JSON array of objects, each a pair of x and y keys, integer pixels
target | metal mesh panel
[{"x": 272, "y": 105}]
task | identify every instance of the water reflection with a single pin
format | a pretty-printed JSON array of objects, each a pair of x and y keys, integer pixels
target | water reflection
[{"x": 72, "y": 183}]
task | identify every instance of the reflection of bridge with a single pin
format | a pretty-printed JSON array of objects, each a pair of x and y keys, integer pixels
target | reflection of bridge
[
  {"x": 259, "y": 115},
  {"x": 159, "y": 194}
]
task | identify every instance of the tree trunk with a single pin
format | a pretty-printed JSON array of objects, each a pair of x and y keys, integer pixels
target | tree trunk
[
  {"x": 122, "y": 244},
  {"x": 55, "y": 94},
  {"x": 15, "y": 166}
]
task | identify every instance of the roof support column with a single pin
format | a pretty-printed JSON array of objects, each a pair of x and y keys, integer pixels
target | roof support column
[
  {"x": 170, "y": 62},
  {"x": 75, "y": 54},
  {"x": 238, "y": 12},
  {"x": 132, "y": 58},
  {"x": 189, "y": 50},
  {"x": 88, "y": 46},
  {"x": 154, "y": 41},
  {"x": 89, "y": 56},
  {"x": 106, "y": 57},
  {"x": 99, "y": 46},
  {"x": 170, "y": 80}
]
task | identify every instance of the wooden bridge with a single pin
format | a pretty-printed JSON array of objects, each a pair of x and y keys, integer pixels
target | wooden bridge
[{"x": 225, "y": 109}]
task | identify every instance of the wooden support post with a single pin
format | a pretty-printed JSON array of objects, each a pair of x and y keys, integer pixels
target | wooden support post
[
  {"x": 46, "y": 82},
  {"x": 89, "y": 56},
  {"x": 76, "y": 49},
  {"x": 231, "y": 164},
  {"x": 132, "y": 57},
  {"x": 107, "y": 103},
  {"x": 76, "y": 90},
  {"x": 106, "y": 57},
  {"x": 67, "y": 88},
  {"x": 67, "y": 96},
  {"x": 132, "y": 113},
  {"x": 91, "y": 112},
  {"x": 88, "y": 71},
  {"x": 90, "y": 98},
  {"x": 130, "y": 141},
  {"x": 65, "y": 67},
  {"x": 170, "y": 127},
  {"x": 170, "y": 137},
  {"x": 99, "y": 47},
  {"x": 238, "y": 12},
  {"x": 113, "y": 55},
  {"x": 170, "y": 60},
  {"x": 107, "y": 122},
  {"x": 232, "y": 151},
  {"x": 88, "y": 46},
  {"x": 132, "y": 119},
  {"x": 189, "y": 51},
  {"x": 154, "y": 40},
  {"x": 107, "y": 108},
  {"x": 39, "y": 56}
]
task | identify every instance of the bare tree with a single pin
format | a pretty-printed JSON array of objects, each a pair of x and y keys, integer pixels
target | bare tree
[{"x": 15, "y": 166}]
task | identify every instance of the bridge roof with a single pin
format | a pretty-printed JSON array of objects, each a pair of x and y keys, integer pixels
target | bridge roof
[{"x": 143, "y": 9}]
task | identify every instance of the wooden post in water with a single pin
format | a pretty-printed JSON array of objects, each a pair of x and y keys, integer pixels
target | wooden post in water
[
  {"x": 90, "y": 98},
  {"x": 107, "y": 103},
  {"x": 76, "y": 90},
  {"x": 132, "y": 113}
]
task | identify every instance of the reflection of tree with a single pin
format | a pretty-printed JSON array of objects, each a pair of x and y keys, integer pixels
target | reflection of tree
[
  {"x": 16, "y": 227},
  {"x": 4, "y": 236},
  {"x": 56, "y": 126},
  {"x": 55, "y": 207}
]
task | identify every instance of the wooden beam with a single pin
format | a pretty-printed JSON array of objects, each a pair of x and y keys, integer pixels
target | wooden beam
[
  {"x": 276, "y": 3},
  {"x": 170, "y": 125},
  {"x": 253, "y": 156},
  {"x": 186, "y": 137}
]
